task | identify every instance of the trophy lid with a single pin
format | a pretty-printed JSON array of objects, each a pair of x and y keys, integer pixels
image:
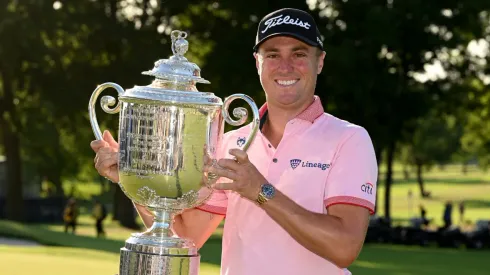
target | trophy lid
[
  {"x": 175, "y": 79},
  {"x": 177, "y": 67}
]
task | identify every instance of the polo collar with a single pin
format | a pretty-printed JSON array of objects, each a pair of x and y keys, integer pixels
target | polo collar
[{"x": 309, "y": 114}]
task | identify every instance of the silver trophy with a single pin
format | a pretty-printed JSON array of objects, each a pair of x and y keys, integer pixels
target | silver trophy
[{"x": 166, "y": 130}]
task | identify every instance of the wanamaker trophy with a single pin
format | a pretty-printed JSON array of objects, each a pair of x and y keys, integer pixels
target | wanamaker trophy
[{"x": 165, "y": 130}]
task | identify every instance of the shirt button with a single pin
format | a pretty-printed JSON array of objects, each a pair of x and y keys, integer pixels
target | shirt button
[
  {"x": 270, "y": 146},
  {"x": 274, "y": 160}
]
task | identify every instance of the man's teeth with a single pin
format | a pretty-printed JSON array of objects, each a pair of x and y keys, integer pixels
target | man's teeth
[{"x": 286, "y": 82}]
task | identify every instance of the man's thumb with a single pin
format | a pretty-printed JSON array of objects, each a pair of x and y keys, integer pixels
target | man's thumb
[{"x": 109, "y": 139}]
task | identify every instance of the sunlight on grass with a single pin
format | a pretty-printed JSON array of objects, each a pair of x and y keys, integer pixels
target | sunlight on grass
[
  {"x": 49, "y": 260},
  {"x": 371, "y": 265},
  {"x": 73, "y": 261}
]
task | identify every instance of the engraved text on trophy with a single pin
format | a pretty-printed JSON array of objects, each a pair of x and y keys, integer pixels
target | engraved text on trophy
[{"x": 151, "y": 140}]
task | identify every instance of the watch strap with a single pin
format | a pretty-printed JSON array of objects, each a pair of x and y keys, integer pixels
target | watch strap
[{"x": 261, "y": 199}]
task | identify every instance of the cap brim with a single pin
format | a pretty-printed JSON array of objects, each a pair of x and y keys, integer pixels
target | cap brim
[{"x": 293, "y": 35}]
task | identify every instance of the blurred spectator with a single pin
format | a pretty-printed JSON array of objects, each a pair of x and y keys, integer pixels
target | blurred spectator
[
  {"x": 461, "y": 212},
  {"x": 70, "y": 215},
  {"x": 99, "y": 212},
  {"x": 423, "y": 215},
  {"x": 447, "y": 217}
]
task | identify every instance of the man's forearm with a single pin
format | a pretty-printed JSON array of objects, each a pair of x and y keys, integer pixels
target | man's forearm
[
  {"x": 324, "y": 235},
  {"x": 144, "y": 214}
]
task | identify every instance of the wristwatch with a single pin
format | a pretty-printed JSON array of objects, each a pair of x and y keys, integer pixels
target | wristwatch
[{"x": 267, "y": 192}]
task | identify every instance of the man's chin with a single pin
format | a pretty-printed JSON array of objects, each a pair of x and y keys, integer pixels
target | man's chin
[{"x": 288, "y": 101}]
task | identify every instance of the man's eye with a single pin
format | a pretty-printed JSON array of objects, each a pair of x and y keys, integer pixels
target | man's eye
[
  {"x": 300, "y": 54},
  {"x": 272, "y": 56}
]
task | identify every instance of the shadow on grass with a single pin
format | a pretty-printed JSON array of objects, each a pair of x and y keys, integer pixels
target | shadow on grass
[
  {"x": 48, "y": 237},
  {"x": 407, "y": 260},
  {"x": 210, "y": 253},
  {"x": 477, "y": 203}
]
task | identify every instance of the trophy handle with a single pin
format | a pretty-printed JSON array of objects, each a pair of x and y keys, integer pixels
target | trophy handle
[
  {"x": 242, "y": 115},
  {"x": 106, "y": 102}
]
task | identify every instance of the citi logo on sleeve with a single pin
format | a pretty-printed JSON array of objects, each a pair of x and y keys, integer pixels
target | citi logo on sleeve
[
  {"x": 367, "y": 188},
  {"x": 278, "y": 20},
  {"x": 297, "y": 162}
]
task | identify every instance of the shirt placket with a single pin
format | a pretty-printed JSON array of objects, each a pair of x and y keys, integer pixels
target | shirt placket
[{"x": 278, "y": 162}]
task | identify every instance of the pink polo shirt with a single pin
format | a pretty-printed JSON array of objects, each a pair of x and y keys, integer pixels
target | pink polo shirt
[{"x": 320, "y": 161}]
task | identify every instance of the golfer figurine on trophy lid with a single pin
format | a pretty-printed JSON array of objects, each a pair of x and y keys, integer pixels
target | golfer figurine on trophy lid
[{"x": 165, "y": 129}]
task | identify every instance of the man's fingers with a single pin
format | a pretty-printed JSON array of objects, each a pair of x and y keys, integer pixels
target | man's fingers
[
  {"x": 97, "y": 144},
  {"x": 229, "y": 164},
  {"x": 224, "y": 186},
  {"x": 220, "y": 172},
  {"x": 103, "y": 157},
  {"x": 103, "y": 166},
  {"x": 109, "y": 139},
  {"x": 106, "y": 150},
  {"x": 240, "y": 155}
]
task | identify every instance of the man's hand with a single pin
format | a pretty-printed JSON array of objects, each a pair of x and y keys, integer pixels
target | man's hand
[
  {"x": 245, "y": 176},
  {"x": 106, "y": 158}
]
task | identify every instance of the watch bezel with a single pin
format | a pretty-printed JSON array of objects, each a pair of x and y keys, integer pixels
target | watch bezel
[{"x": 268, "y": 190}]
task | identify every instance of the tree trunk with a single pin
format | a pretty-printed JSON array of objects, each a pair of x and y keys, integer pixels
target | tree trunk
[
  {"x": 379, "y": 155},
  {"x": 465, "y": 168},
  {"x": 389, "y": 178},
  {"x": 9, "y": 127},
  {"x": 406, "y": 173},
  {"x": 420, "y": 180},
  {"x": 56, "y": 180}
]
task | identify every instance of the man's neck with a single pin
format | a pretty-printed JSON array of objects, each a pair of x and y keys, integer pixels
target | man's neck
[{"x": 276, "y": 121}]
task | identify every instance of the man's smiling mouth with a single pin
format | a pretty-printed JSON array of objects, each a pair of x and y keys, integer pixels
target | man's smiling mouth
[{"x": 287, "y": 82}]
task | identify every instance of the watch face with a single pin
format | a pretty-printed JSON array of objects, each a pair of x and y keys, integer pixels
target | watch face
[{"x": 268, "y": 190}]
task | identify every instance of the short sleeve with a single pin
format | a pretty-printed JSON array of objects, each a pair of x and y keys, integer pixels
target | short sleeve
[
  {"x": 216, "y": 204},
  {"x": 354, "y": 171}
]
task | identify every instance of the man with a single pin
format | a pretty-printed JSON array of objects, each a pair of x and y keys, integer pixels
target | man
[
  {"x": 299, "y": 200},
  {"x": 99, "y": 213},
  {"x": 70, "y": 215}
]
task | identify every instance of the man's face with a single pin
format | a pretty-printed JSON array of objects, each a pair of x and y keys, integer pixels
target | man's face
[{"x": 288, "y": 70}]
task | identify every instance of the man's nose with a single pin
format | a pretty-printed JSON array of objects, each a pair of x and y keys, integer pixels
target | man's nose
[{"x": 286, "y": 65}]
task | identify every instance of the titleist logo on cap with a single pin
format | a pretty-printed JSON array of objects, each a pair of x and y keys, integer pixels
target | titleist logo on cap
[{"x": 278, "y": 20}]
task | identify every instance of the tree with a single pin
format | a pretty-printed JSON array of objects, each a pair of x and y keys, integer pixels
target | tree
[{"x": 435, "y": 140}]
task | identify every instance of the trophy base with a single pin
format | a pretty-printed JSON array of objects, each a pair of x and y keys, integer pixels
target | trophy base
[{"x": 144, "y": 255}]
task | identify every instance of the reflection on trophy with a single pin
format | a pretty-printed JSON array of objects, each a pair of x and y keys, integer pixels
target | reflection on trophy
[{"x": 165, "y": 129}]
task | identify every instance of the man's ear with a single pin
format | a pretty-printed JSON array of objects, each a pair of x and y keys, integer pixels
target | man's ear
[
  {"x": 321, "y": 59},
  {"x": 256, "y": 56}
]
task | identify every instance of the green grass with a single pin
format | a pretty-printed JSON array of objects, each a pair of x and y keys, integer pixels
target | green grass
[
  {"x": 73, "y": 261},
  {"x": 85, "y": 254},
  {"x": 402, "y": 260}
]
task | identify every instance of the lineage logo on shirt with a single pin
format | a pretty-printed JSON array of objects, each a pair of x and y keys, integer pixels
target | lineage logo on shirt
[{"x": 297, "y": 162}]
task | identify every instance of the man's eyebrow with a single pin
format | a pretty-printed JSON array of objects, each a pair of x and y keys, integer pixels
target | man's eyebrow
[
  {"x": 271, "y": 49},
  {"x": 300, "y": 48},
  {"x": 294, "y": 49}
]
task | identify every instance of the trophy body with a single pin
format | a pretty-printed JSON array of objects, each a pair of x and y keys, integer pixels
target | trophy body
[{"x": 166, "y": 130}]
